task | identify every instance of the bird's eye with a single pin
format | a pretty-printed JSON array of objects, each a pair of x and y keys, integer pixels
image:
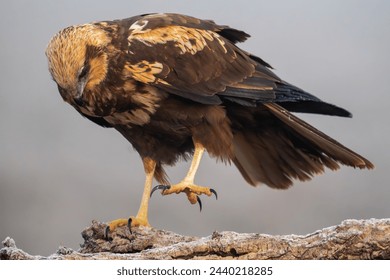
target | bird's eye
[{"x": 83, "y": 72}]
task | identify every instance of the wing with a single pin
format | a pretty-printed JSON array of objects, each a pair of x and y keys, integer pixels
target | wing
[
  {"x": 198, "y": 60},
  {"x": 195, "y": 59}
]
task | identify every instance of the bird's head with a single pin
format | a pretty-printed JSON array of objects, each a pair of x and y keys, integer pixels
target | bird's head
[{"x": 78, "y": 60}]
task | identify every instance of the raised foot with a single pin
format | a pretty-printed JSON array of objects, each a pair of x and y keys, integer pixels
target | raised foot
[
  {"x": 192, "y": 191},
  {"x": 130, "y": 222}
]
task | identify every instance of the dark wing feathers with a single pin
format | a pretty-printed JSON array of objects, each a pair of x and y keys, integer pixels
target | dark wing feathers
[
  {"x": 233, "y": 35},
  {"x": 297, "y": 100},
  {"x": 203, "y": 71},
  {"x": 215, "y": 62},
  {"x": 215, "y": 71}
]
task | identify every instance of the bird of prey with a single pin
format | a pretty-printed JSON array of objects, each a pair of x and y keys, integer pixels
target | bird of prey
[{"x": 175, "y": 86}]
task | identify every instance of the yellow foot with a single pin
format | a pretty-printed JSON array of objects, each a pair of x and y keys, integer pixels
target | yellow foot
[
  {"x": 192, "y": 191},
  {"x": 130, "y": 222}
]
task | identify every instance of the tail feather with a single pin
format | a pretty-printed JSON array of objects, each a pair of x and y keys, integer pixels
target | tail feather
[
  {"x": 329, "y": 146},
  {"x": 290, "y": 150}
]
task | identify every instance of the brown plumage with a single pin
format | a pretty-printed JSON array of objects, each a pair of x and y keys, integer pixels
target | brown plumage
[{"x": 170, "y": 82}]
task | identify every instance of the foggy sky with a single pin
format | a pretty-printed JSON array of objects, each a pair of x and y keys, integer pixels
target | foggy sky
[{"x": 59, "y": 171}]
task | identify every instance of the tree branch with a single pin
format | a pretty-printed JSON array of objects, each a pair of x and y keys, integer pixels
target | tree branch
[{"x": 352, "y": 239}]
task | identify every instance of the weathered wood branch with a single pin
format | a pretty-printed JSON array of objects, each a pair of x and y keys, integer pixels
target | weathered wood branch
[{"x": 352, "y": 239}]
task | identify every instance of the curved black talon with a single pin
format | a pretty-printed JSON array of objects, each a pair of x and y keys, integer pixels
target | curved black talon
[
  {"x": 159, "y": 187},
  {"x": 200, "y": 203},
  {"x": 129, "y": 221},
  {"x": 106, "y": 232},
  {"x": 214, "y": 192}
]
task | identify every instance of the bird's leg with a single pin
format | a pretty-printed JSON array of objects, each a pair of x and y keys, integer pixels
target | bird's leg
[
  {"x": 187, "y": 184},
  {"x": 142, "y": 216}
]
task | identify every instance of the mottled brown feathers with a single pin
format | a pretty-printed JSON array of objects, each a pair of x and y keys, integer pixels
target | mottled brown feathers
[{"x": 166, "y": 80}]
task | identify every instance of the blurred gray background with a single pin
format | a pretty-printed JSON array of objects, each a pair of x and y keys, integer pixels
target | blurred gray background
[{"x": 59, "y": 171}]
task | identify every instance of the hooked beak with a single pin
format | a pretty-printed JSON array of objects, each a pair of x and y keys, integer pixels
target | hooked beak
[{"x": 78, "y": 97}]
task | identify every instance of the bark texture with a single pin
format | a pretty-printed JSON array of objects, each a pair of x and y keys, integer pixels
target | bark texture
[{"x": 352, "y": 239}]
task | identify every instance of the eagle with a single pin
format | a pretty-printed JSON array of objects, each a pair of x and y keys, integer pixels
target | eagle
[{"x": 176, "y": 86}]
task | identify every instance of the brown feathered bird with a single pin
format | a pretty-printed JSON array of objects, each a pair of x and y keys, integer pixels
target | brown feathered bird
[{"x": 175, "y": 86}]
